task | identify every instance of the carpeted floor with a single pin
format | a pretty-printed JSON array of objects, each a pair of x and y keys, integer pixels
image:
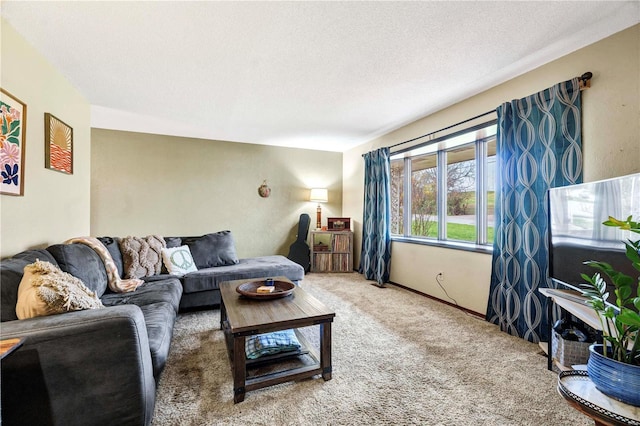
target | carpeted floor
[{"x": 398, "y": 358}]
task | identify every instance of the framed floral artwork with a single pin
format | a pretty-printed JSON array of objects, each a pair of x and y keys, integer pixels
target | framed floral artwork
[
  {"x": 13, "y": 124},
  {"x": 58, "y": 140}
]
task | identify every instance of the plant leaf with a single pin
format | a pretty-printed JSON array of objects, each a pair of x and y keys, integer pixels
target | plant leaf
[
  {"x": 609, "y": 312},
  {"x": 628, "y": 317}
]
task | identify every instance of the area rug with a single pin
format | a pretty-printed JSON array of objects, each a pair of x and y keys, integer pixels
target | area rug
[{"x": 398, "y": 359}]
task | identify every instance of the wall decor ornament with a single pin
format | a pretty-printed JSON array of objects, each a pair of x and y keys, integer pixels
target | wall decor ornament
[
  {"x": 263, "y": 190},
  {"x": 58, "y": 142},
  {"x": 13, "y": 125}
]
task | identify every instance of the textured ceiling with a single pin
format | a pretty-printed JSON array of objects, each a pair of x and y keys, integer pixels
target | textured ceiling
[{"x": 318, "y": 75}]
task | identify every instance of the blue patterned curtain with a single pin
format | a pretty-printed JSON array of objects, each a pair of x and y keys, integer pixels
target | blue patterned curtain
[
  {"x": 375, "y": 258},
  {"x": 539, "y": 146}
]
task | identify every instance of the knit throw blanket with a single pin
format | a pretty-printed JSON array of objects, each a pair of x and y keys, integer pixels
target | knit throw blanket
[
  {"x": 142, "y": 257},
  {"x": 116, "y": 284}
]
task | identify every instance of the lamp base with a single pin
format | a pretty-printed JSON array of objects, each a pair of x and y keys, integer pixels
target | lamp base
[{"x": 319, "y": 218}]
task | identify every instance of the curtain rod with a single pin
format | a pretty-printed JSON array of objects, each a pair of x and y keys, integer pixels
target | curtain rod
[
  {"x": 445, "y": 128},
  {"x": 584, "y": 82}
]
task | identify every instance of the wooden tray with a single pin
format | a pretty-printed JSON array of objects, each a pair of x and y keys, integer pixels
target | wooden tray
[{"x": 283, "y": 288}]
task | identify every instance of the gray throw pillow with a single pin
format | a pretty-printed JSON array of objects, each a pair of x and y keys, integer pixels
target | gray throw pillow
[
  {"x": 217, "y": 249},
  {"x": 173, "y": 241},
  {"x": 82, "y": 262}
]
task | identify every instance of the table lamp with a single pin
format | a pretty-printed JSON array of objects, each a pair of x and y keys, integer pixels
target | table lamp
[{"x": 319, "y": 195}]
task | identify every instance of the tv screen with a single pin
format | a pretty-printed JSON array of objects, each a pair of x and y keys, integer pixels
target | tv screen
[{"x": 576, "y": 232}]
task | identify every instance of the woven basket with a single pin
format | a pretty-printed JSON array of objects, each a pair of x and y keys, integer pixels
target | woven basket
[{"x": 569, "y": 352}]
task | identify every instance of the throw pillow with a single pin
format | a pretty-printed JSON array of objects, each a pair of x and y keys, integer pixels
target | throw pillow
[
  {"x": 271, "y": 343},
  {"x": 82, "y": 262},
  {"x": 216, "y": 249},
  {"x": 171, "y": 242},
  {"x": 178, "y": 260},
  {"x": 115, "y": 283},
  {"x": 142, "y": 257},
  {"x": 46, "y": 290}
]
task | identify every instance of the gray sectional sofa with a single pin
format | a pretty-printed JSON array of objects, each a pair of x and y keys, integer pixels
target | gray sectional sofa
[
  {"x": 101, "y": 366},
  {"x": 200, "y": 288}
]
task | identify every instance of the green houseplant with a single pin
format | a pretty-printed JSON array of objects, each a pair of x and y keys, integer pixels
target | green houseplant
[
  {"x": 620, "y": 326},
  {"x": 614, "y": 366}
]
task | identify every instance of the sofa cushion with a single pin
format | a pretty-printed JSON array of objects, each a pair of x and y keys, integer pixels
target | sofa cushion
[
  {"x": 255, "y": 267},
  {"x": 82, "y": 262},
  {"x": 32, "y": 255},
  {"x": 216, "y": 249},
  {"x": 113, "y": 245},
  {"x": 173, "y": 241},
  {"x": 159, "y": 319},
  {"x": 178, "y": 260},
  {"x": 199, "y": 300},
  {"x": 167, "y": 290},
  {"x": 46, "y": 290},
  {"x": 11, "y": 272},
  {"x": 160, "y": 277}
]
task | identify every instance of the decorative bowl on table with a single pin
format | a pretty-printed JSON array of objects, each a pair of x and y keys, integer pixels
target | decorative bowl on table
[{"x": 250, "y": 289}]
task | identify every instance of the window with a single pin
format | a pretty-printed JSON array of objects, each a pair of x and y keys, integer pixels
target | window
[
  {"x": 444, "y": 190},
  {"x": 397, "y": 197},
  {"x": 461, "y": 193},
  {"x": 424, "y": 196}
]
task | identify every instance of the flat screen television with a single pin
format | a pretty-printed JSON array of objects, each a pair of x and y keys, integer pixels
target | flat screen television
[{"x": 576, "y": 232}]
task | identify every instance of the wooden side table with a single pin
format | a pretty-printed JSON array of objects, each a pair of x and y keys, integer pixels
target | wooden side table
[
  {"x": 7, "y": 346},
  {"x": 576, "y": 387}
]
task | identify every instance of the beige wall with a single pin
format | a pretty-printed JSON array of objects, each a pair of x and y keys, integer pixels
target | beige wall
[
  {"x": 611, "y": 147},
  {"x": 55, "y": 206},
  {"x": 150, "y": 184}
]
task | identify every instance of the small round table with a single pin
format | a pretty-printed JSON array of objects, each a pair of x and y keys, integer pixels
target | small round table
[{"x": 576, "y": 387}]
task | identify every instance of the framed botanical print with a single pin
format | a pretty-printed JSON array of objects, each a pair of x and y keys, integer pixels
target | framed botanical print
[
  {"x": 13, "y": 124},
  {"x": 58, "y": 140}
]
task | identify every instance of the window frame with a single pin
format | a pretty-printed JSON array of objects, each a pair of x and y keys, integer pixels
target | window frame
[{"x": 481, "y": 185}]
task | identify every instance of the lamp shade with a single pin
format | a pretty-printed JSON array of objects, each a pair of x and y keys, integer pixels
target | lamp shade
[{"x": 319, "y": 195}]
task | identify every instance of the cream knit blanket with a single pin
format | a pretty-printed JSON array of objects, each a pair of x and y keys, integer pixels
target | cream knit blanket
[{"x": 116, "y": 284}]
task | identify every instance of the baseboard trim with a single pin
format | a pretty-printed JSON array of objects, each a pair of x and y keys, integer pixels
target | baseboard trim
[{"x": 469, "y": 311}]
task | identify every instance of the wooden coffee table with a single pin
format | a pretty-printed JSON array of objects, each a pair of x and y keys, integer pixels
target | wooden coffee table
[{"x": 241, "y": 317}]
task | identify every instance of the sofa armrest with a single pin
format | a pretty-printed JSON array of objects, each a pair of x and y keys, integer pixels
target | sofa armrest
[{"x": 78, "y": 368}]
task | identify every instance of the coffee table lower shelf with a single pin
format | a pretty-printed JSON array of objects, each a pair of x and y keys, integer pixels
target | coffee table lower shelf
[
  {"x": 240, "y": 365},
  {"x": 287, "y": 374}
]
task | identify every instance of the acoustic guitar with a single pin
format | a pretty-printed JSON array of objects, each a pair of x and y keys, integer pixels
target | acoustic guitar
[{"x": 299, "y": 250}]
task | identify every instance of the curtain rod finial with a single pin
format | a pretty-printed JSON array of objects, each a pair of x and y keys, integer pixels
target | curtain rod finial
[{"x": 585, "y": 80}]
